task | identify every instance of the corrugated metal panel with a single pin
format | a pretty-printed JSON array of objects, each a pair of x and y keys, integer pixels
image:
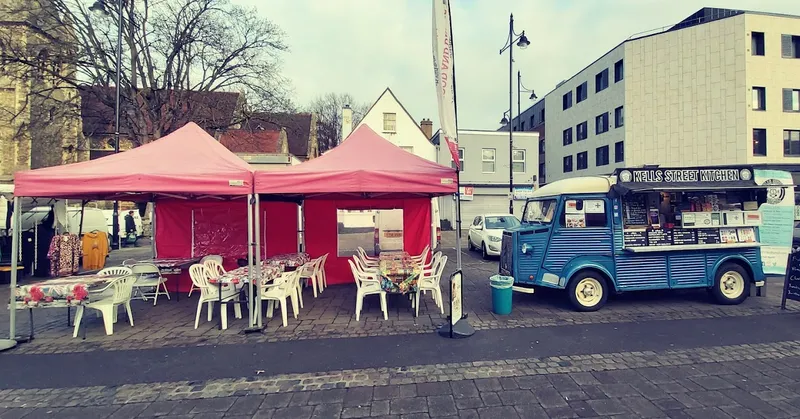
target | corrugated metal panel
[
  {"x": 751, "y": 254},
  {"x": 687, "y": 270},
  {"x": 567, "y": 244},
  {"x": 530, "y": 263},
  {"x": 507, "y": 254},
  {"x": 642, "y": 272}
]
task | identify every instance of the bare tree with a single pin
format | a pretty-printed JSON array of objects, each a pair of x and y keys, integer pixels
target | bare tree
[
  {"x": 175, "y": 52},
  {"x": 328, "y": 108}
]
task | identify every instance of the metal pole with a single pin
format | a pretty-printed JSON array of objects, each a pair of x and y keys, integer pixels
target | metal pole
[
  {"x": 510, "y": 114},
  {"x": 257, "y": 253},
  {"x": 115, "y": 222},
  {"x": 192, "y": 233},
  {"x": 12, "y": 309},
  {"x": 251, "y": 304},
  {"x": 153, "y": 232}
]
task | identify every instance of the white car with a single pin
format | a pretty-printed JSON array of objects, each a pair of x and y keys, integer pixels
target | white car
[{"x": 486, "y": 233}]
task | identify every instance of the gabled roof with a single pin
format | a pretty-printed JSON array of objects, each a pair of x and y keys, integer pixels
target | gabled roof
[
  {"x": 364, "y": 164},
  {"x": 187, "y": 162},
  {"x": 244, "y": 141},
  {"x": 298, "y": 128},
  {"x": 390, "y": 92}
]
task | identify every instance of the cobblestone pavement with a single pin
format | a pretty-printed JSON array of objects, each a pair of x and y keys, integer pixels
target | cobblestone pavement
[
  {"x": 741, "y": 381},
  {"x": 170, "y": 323}
]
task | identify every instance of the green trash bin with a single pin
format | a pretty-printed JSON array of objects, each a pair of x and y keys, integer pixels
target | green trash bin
[{"x": 501, "y": 294}]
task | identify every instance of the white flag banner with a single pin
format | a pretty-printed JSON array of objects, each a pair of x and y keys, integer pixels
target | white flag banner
[{"x": 443, "y": 67}]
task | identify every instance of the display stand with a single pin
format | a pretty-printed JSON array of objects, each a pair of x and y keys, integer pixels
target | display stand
[
  {"x": 791, "y": 284},
  {"x": 460, "y": 328}
]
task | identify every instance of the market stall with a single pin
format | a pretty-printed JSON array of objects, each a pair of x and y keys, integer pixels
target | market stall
[
  {"x": 185, "y": 166},
  {"x": 361, "y": 177}
]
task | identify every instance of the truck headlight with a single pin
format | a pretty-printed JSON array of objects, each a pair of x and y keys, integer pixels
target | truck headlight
[{"x": 525, "y": 248}]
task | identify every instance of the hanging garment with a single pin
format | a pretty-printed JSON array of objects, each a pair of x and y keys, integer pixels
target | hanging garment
[
  {"x": 64, "y": 255},
  {"x": 95, "y": 250}
]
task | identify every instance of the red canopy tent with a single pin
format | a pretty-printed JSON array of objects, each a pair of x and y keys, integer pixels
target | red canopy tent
[{"x": 364, "y": 172}]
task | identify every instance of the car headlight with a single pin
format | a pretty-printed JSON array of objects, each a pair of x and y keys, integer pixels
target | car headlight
[{"x": 494, "y": 239}]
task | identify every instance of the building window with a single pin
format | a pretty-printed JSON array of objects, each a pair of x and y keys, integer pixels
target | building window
[
  {"x": 791, "y": 100},
  {"x": 759, "y": 142},
  {"x": 582, "y": 160},
  {"x": 790, "y": 46},
  {"x": 791, "y": 142},
  {"x": 601, "y": 123},
  {"x": 619, "y": 117},
  {"x": 518, "y": 161},
  {"x": 619, "y": 71},
  {"x": 567, "y": 164},
  {"x": 757, "y": 47},
  {"x": 522, "y": 127},
  {"x": 541, "y": 118},
  {"x": 601, "y": 81},
  {"x": 533, "y": 121},
  {"x": 583, "y": 130},
  {"x": 487, "y": 160},
  {"x": 567, "y": 134},
  {"x": 541, "y": 146},
  {"x": 460, "y": 160},
  {"x": 601, "y": 156},
  {"x": 541, "y": 172},
  {"x": 389, "y": 122},
  {"x": 619, "y": 152},
  {"x": 567, "y": 99},
  {"x": 581, "y": 92},
  {"x": 759, "y": 98}
]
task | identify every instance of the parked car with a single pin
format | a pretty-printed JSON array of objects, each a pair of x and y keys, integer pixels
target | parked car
[{"x": 486, "y": 232}]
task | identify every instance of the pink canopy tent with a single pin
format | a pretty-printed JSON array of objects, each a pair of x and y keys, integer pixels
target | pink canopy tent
[
  {"x": 187, "y": 162},
  {"x": 364, "y": 172}
]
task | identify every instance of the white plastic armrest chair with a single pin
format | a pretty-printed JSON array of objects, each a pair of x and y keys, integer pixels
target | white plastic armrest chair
[
  {"x": 209, "y": 293},
  {"x": 429, "y": 280},
  {"x": 368, "y": 283},
  {"x": 282, "y": 288},
  {"x": 120, "y": 294}
]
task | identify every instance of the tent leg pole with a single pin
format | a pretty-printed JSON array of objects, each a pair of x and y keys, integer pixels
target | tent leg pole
[
  {"x": 257, "y": 253},
  {"x": 153, "y": 232},
  {"x": 15, "y": 245}
]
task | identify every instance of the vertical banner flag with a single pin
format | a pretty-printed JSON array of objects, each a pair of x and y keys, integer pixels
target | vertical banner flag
[
  {"x": 443, "y": 67},
  {"x": 777, "y": 219}
]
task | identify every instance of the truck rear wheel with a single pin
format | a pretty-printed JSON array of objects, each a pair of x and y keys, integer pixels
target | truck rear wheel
[
  {"x": 731, "y": 284},
  {"x": 587, "y": 291}
]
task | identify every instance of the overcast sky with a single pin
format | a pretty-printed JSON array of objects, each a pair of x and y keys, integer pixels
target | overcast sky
[{"x": 362, "y": 46}]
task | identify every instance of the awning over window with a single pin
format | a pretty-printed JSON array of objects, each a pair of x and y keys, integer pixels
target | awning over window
[{"x": 686, "y": 179}]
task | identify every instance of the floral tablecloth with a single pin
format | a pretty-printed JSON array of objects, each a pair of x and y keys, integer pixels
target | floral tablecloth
[
  {"x": 240, "y": 275},
  {"x": 289, "y": 260},
  {"x": 399, "y": 275},
  {"x": 393, "y": 255},
  {"x": 172, "y": 266},
  {"x": 61, "y": 292}
]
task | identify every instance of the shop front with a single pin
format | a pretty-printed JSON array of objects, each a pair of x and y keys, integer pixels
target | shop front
[{"x": 720, "y": 228}]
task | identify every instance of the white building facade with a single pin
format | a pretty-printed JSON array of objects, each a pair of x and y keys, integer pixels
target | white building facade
[{"x": 720, "y": 87}]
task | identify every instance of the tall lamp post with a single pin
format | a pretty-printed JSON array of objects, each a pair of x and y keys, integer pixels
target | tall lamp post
[
  {"x": 100, "y": 6},
  {"x": 522, "y": 42}
]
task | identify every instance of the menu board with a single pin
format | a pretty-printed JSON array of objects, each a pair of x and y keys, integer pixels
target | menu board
[
  {"x": 634, "y": 238},
  {"x": 708, "y": 236},
  {"x": 683, "y": 236},
  {"x": 659, "y": 237},
  {"x": 634, "y": 210},
  {"x": 791, "y": 285}
]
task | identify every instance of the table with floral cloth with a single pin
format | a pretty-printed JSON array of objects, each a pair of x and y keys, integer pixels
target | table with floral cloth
[
  {"x": 289, "y": 260},
  {"x": 399, "y": 276},
  {"x": 394, "y": 255},
  {"x": 61, "y": 292},
  {"x": 240, "y": 275}
]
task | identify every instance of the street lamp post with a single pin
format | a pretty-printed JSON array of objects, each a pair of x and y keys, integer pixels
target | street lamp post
[
  {"x": 522, "y": 42},
  {"x": 100, "y": 6}
]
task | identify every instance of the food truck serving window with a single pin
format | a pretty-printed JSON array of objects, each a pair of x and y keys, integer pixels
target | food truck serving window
[
  {"x": 540, "y": 211},
  {"x": 582, "y": 213}
]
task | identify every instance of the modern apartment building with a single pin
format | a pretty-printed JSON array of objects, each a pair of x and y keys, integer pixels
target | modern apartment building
[{"x": 720, "y": 87}]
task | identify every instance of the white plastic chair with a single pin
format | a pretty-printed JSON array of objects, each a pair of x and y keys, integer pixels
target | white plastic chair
[
  {"x": 322, "y": 270},
  {"x": 218, "y": 258},
  {"x": 311, "y": 272},
  {"x": 107, "y": 305},
  {"x": 368, "y": 260},
  {"x": 422, "y": 257},
  {"x": 209, "y": 293},
  {"x": 279, "y": 290},
  {"x": 430, "y": 280},
  {"x": 129, "y": 262},
  {"x": 149, "y": 276},
  {"x": 368, "y": 283}
]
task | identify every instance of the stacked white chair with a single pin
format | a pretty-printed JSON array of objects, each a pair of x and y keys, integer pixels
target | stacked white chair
[{"x": 368, "y": 283}]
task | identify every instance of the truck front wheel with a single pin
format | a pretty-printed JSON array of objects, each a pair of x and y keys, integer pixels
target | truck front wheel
[
  {"x": 731, "y": 284},
  {"x": 588, "y": 291}
]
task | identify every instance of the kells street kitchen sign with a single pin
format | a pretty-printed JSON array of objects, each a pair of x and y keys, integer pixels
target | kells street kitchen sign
[{"x": 685, "y": 175}]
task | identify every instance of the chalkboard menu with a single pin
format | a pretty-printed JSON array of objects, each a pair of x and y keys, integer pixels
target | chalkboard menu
[
  {"x": 683, "y": 236},
  {"x": 659, "y": 237},
  {"x": 634, "y": 210},
  {"x": 708, "y": 236},
  {"x": 791, "y": 286},
  {"x": 635, "y": 238}
]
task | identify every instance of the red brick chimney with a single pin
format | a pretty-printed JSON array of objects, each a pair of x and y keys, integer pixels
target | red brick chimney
[{"x": 427, "y": 128}]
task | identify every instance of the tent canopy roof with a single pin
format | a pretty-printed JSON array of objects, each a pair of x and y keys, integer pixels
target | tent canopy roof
[
  {"x": 364, "y": 165},
  {"x": 187, "y": 162}
]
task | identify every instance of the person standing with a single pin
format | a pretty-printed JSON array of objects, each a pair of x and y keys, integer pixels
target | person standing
[{"x": 130, "y": 228}]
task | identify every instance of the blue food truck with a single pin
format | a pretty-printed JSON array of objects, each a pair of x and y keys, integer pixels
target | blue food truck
[{"x": 645, "y": 228}]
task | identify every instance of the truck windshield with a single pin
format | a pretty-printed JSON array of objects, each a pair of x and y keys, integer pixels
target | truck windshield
[
  {"x": 501, "y": 223},
  {"x": 540, "y": 211}
]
